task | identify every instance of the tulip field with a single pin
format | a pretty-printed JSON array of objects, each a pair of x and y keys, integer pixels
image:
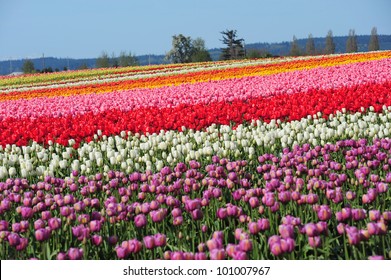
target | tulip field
[{"x": 281, "y": 158}]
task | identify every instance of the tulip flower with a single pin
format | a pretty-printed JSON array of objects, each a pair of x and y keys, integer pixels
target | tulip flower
[
  {"x": 149, "y": 242},
  {"x": 140, "y": 220},
  {"x": 217, "y": 254}
]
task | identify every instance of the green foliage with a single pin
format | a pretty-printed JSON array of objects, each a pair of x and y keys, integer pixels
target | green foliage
[
  {"x": 47, "y": 70},
  {"x": 182, "y": 49},
  {"x": 28, "y": 67},
  {"x": 199, "y": 52},
  {"x": 103, "y": 61},
  {"x": 310, "y": 46},
  {"x": 295, "y": 49},
  {"x": 234, "y": 46},
  {"x": 125, "y": 60},
  {"x": 254, "y": 54},
  {"x": 201, "y": 56},
  {"x": 374, "y": 41},
  {"x": 83, "y": 66},
  {"x": 330, "y": 46},
  {"x": 351, "y": 42},
  {"x": 113, "y": 61}
]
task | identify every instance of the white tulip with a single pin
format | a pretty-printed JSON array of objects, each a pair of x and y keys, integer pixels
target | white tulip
[{"x": 12, "y": 171}]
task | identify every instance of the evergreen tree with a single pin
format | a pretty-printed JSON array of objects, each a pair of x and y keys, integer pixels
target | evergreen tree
[
  {"x": 295, "y": 49},
  {"x": 310, "y": 45},
  {"x": 125, "y": 60},
  {"x": 28, "y": 66},
  {"x": 330, "y": 46},
  {"x": 351, "y": 43},
  {"x": 103, "y": 61},
  {"x": 83, "y": 66},
  {"x": 234, "y": 49},
  {"x": 373, "y": 41},
  {"x": 113, "y": 61}
]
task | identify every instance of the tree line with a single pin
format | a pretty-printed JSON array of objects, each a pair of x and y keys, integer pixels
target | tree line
[
  {"x": 185, "y": 50},
  {"x": 329, "y": 48}
]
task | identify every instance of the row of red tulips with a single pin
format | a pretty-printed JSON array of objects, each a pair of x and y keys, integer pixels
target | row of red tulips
[{"x": 198, "y": 116}]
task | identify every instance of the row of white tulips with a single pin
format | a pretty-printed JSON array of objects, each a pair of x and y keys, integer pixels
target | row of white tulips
[{"x": 130, "y": 152}]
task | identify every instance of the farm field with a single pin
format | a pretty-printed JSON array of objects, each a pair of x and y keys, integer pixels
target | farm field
[{"x": 283, "y": 158}]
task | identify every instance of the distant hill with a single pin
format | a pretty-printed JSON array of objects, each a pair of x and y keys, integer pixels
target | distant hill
[{"x": 277, "y": 49}]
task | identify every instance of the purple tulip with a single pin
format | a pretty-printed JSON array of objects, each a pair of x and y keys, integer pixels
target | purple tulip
[
  {"x": 42, "y": 234},
  {"x": 213, "y": 244},
  {"x": 113, "y": 240},
  {"x": 287, "y": 245},
  {"x": 157, "y": 216},
  {"x": 364, "y": 235},
  {"x": 231, "y": 249},
  {"x": 263, "y": 224},
  {"x": 324, "y": 213},
  {"x": 245, "y": 245},
  {"x": 54, "y": 223},
  {"x": 4, "y": 225},
  {"x": 122, "y": 253},
  {"x": 177, "y": 221},
  {"x": 239, "y": 255},
  {"x": 315, "y": 241},
  {"x": 197, "y": 214},
  {"x": 200, "y": 256},
  {"x": 177, "y": 255},
  {"x": 96, "y": 240},
  {"x": 149, "y": 242},
  {"x": 13, "y": 239},
  {"x": 275, "y": 248},
  {"x": 346, "y": 213},
  {"x": 358, "y": 214},
  {"x": 27, "y": 212},
  {"x": 188, "y": 256},
  {"x": 222, "y": 213},
  {"x": 160, "y": 240},
  {"x": 286, "y": 231},
  {"x": 253, "y": 228},
  {"x": 374, "y": 215},
  {"x": 254, "y": 202},
  {"x": 22, "y": 245},
  {"x": 341, "y": 228},
  {"x": 192, "y": 204},
  {"x": 62, "y": 256},
  {"x": 382, "y": 227},
  {"x": 217, "y": 254},
  {"x": 65, "y": 211},
  {"x": 16, "y": 227},
  {"x": 387, "y": 215},
  {"x": 311, "y": 229},
  {"x": 176, "y": 212},
  {"x": 376, "y": 257},
  {"x": 353, "y": 235},
  {"x": 95, "y": 225},
  {"x": 140, "y": 220},
  {"x": 46, "y": 215}
]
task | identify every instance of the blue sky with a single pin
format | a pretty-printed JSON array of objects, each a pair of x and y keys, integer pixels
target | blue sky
[{"x": 85, "y": 28}]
